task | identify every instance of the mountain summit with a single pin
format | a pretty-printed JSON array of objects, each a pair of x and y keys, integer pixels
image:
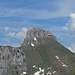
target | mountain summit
[
  {"x": 33, "y": 34},
  {"x": 39, "y": 54}
]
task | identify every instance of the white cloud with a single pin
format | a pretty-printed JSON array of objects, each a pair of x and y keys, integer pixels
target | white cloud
[
  {"x": 11, "y": 34},
  {"x": 72, "y": 15},
  {"x": 70, "y": 26},
  {"x": 72, "y": 22},
  {"x": 22, "y": 34},
  {"x": 6, "y": 28},
  {"x": 65, "y": 27},
  {"x": 72, "y": 48}
]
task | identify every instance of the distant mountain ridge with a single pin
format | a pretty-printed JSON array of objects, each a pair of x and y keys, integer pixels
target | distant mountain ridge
[{"x": 39, "y": 54}]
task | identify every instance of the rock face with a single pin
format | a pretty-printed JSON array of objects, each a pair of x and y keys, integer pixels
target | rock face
[
  {"x": 35, "y": 33},
  {"x": 12, "y": 61},
  {"x": 39, "y": 54}
]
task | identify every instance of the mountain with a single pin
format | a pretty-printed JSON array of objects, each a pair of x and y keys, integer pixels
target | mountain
[{"x": 39, "y": 54}]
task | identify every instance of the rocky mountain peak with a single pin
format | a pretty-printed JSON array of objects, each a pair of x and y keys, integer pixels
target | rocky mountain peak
[
  {"x": 36, "y": 32},
  {"x": 33, "y": 34}
]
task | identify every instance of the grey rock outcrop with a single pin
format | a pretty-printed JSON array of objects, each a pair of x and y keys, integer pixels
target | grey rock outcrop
[
  {"x": 12, "y": 60},
  {"x": 36, "y": 33}
]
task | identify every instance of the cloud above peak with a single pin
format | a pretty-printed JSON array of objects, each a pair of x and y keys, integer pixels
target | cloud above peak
[
  {"x": 6, "y": 28},
  {"x": 22, "y": 34},
  {"x": 72, "y": 15},
  {"x": 70, "y": 26},
  {"x": 11, "y": 34},
  {"x": 72, "y": 22},
  {"x": 16, "y": 35}
]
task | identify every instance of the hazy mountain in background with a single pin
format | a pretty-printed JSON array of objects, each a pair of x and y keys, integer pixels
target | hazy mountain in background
[{"x": 39, "y": 54}]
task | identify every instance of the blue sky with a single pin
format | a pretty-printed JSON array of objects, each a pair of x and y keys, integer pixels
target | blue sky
[{"x": 17, "y": 16}]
